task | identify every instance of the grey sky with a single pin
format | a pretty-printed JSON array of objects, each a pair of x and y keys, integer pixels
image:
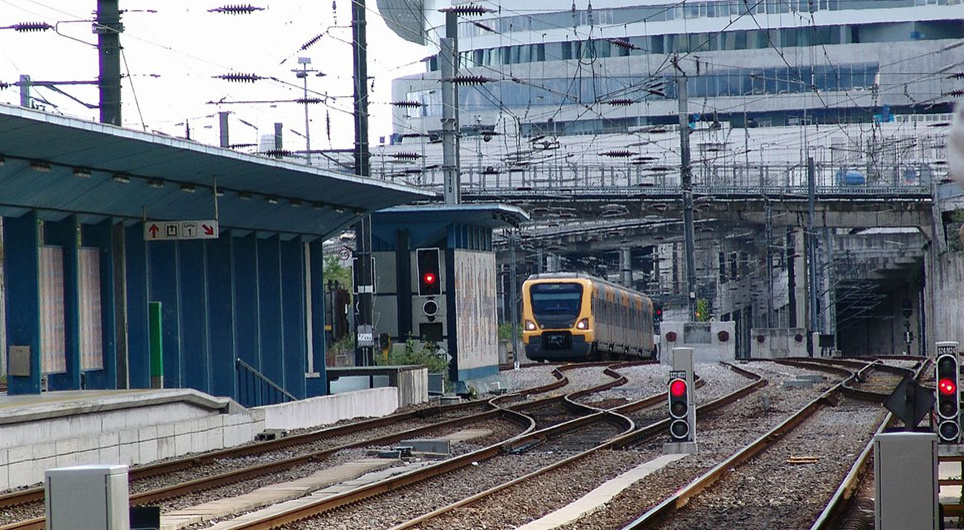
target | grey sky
[{"x": 173, "y": 54}]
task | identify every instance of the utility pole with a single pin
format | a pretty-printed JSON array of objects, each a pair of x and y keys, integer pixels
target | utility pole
[
  {"x": 811, "y": 253},
  {"x": 303, "y": 75},
  {"x": 769, "y": 244},
  {"x": 364, "y": 337},
  {"x": 448, "y": 57},
  {"x": 686, "y": 187},
  {"x": 514, "y": 297},
  {"x": 108, "y": 27}
]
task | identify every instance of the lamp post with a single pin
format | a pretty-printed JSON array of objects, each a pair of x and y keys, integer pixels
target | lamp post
[{"x": 303, "y": 75}]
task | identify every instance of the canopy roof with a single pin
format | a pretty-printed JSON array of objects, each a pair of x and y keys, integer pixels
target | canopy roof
[{"x": 63, "y": 166}]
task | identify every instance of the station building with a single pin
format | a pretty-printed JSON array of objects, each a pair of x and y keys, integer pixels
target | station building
[{"x": 132, "y": 260}]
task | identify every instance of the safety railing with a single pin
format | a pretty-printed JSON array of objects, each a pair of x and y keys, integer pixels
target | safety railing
[{"x": 255, "y": 390}]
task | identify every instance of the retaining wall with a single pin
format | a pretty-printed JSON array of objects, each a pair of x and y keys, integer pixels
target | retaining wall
[
  {"x": 24, "y": 463},
  {"x": 324, "y": 410}
]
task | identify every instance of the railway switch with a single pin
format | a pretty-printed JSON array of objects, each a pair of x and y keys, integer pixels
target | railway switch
[{"x": 948, "y": 392}]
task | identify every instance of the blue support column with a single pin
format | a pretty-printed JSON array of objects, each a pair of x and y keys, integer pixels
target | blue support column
[
  {"x": 64, "y": 235},
  {"x": 164, "y": 288},
  {"x": 220, "y": 305},
  {"x": 138, "y": 342},
  {"x": 269, "y": 296},
  {"x": 317, "y": 386},
  {"x": 21, "y": 237},
  {"x": 196, "y": 367},
  {"x": 99, "y": 236},
  {"x": 293, "y": 310},
  {"x": 244, "y": 278}
]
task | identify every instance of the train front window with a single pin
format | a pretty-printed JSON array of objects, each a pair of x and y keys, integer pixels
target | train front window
[{"x": 556, "y": 305}]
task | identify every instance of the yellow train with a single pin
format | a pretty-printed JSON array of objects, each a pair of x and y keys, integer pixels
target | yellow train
[{"x": 575, "y": 317}]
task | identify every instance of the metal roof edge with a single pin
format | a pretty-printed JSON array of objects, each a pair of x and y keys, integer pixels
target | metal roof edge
[{"x": 190, "y": 145}]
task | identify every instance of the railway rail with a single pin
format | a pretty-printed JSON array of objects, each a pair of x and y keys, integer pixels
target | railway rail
[
  {"x": 466, "y": 414},
  {"x": 520, "y": 444},
  {"x": 848, "y": 387}
]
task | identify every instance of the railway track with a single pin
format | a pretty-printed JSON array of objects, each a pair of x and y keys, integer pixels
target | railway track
[
  {"x": 25, "y": 506},
  {"x": 597, "y": 429},
  {"x": 852, "y": 497},
  {"x": 741, "y": 478}
]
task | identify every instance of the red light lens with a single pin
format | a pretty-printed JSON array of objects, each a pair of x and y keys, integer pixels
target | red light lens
[
  {"x": 677, "y": 388},
  {"x": 428, "y": 278},
  {"x": 946, "y": 386}
]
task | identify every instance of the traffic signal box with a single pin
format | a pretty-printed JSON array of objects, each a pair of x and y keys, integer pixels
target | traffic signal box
[
  {"x": 682, "y": 403},
  {"x": 427, "y": 263},
  {"x": 948, "y": 378}
]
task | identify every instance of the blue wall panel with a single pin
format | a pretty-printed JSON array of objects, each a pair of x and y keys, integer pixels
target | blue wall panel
[
  {"x": 99, "y": 236},
  {"x": 293, "y": 310},
  {"x": 317, "y": 386},
  {"x": 21, "y": 237},
  {"x": 138, "y": 345},
  {"x": 220, "y": 306},
  {"x": 246, "y": 319},
  {"x": 162, "y": 263},
  {"x": 269, "y": 295},
  {"x": 193, "y": 312},
  {"x": 64, "y": 234}
]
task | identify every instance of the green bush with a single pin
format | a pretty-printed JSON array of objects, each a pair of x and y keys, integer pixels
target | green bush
[
  {"x": 426, "y": 353},
  {"x": 505, "y": 331}
]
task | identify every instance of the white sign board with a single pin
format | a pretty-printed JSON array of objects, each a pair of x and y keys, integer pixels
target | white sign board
[{"x": 173, "y": 230}]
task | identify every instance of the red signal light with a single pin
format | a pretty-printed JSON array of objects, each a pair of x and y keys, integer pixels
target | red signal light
[
  {"x": 429, "y": 278},
  {"x": 677, "y": 388},
  {"x": 946, "y": 386}
]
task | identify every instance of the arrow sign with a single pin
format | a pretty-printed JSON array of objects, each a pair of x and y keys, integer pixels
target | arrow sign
[{"x": 180, "y": 230}]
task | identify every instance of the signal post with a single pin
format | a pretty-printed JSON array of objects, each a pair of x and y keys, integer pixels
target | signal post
[{"x": 682, "y": 404}]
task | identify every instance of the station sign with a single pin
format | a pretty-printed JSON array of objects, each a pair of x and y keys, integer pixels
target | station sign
[{"x": 180, "y": 230}]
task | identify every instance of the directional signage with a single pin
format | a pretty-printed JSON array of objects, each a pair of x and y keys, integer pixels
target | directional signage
[{"x": 172, "y": 230}]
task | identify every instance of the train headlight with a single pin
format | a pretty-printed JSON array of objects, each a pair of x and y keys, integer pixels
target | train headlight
[
  {"x": 583, "y": 324},
  {"x": 530, "y": 325}
]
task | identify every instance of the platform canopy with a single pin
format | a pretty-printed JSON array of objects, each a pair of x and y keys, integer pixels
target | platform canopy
[{"x": 64, "y": 166}]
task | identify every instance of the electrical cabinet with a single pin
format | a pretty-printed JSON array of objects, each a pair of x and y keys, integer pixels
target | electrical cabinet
[{"x": 87, "y": 498}]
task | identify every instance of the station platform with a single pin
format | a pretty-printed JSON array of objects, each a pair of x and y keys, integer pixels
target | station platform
[
  {"x": 135, "y": 427},
  {"x": 57, "y": 429}
]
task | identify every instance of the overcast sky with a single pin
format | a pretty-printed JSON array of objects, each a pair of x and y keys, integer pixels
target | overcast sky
[{"x": 172, "y": 55}]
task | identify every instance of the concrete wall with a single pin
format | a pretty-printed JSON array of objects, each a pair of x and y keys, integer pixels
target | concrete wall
[
  {"x": 948, "y": 283},
  {"x": 24, "y": 463},
  {"x": 778, "y": 343},
  {"x": 714, "y": 350},
  {"x": 324, "y": 410}
]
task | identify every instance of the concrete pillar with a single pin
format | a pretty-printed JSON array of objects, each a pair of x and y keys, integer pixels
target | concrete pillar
[
  {"x": 626, "y": 267},
  {"x": 799, "y": 279}
]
